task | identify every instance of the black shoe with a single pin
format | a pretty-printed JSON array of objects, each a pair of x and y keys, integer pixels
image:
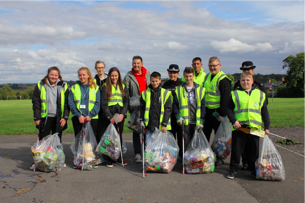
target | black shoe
[
  {"x": 244, "y": 167},
  {"x": 253, "y": 174},
  {"x": 109, "y": 164},
  {"x": 232, "y": 173},
  {"x": 219, "y": 162}
]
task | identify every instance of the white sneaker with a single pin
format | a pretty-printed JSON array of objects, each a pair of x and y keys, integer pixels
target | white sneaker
[
  {"x": 138, "y": 158},
  {"x": 65, "y": 165},
  {"x": 33, "y": 166}
]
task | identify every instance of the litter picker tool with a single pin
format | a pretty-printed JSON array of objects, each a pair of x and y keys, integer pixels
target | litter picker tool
[
  {"x": 84, "y": 136},
  {"x": 143, "y": 133},
  {"x": 116, "y": 118}
]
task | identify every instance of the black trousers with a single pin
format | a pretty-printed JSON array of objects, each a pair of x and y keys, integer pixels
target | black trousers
[
  {"x": 211, "y": 123},
  {"x": 189, "y": 131},
  {"x": 177, "y": 132},
  {"x": 239, "y": 140},
  {"x": 101, "y": 127},
  {"x": 77, "y": 126},
  {"x": 47, "y": 125}
]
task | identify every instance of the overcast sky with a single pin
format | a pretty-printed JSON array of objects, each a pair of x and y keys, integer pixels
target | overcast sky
[{"x": 37, "y": 35}]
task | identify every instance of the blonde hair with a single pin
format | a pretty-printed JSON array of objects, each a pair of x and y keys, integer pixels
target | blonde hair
[
  {"x": 97, "y": 62},
  {"x": 213, "y": 58},
  {"x": 246, "y": 74},
  {"x": 91, "y": 83}
]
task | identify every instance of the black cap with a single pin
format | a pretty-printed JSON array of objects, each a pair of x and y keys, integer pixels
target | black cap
[
  {"x": 246, "y": 65},
  {"x": 173, "y": 68}
]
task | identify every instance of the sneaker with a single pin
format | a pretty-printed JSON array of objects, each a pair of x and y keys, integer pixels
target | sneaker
[
  {"x": 138, "y": 158},
  {"x": 33, "y": 166},
  {"x": 253, "y": 174},
  {"x": 232, "y": 173},
  {"x": 95, "y": 166},
  {"x": 65, "y": 165},
  {"x": 109, "y": 164},
  {"x": 75, "y": 166}
]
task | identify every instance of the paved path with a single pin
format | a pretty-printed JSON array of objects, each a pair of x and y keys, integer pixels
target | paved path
[{"x": 117, "y": 184}]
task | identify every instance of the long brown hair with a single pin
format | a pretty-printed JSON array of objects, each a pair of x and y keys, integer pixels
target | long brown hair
[
  {"x": 91, "y": 83},
  {"x": 45, "y": 79},
  {"x": 109, "y": 83}
]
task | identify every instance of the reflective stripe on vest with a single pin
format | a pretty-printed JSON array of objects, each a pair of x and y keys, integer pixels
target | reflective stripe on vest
[
  {"x": 183, "y": 103},
  {"x": 247, "y": 108},
  {"x": 212, "y": 99},
  {"x": 43, "y": 99},
  {"x": 92, "y": 98},
  {"x": 165, "y": 95},
  {"x": 116, "y": 96}
]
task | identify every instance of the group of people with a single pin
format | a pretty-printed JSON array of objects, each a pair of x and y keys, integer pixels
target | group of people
[{"x": 198, "y": 101}]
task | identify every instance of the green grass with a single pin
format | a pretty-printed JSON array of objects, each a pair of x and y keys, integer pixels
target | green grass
[
  {"x": 286, "y": 112},
  {"x": 17, "y": 116}
]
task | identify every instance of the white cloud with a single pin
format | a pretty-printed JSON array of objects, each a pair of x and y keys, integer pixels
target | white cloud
[
  {"x": 233, "y": 45},
  {"x": 171, "y": 45}
]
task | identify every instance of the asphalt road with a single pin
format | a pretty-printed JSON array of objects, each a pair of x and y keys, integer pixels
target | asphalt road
[{"x": 118, "y": 184}]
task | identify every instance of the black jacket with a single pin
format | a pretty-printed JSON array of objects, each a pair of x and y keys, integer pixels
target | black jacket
[
  {"x": 256, "y": 84},
  {"x": 100, "y": 83},
  {"x": 171, "y": 85},
  {"x": 155, "y": 109},
  {"x": 37, "y": 108},
  {"x": 109, "y": 111}
]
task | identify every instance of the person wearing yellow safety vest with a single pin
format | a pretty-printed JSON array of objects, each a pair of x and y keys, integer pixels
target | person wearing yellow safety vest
[
  {"x": 155, "y": 107},
  {"x": 247, "y": 110},
  {"x": 189, "y": 105},
  {"x": 114, "y": 101},
  {"x": 200, "y": 75},
  {"x": 218, "y": 87},
  {"x": 50, "y": 104},
  {"x": 84, "y": 101}
]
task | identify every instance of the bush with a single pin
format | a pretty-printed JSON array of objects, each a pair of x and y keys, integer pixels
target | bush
[{"x": 283, "y": 91}]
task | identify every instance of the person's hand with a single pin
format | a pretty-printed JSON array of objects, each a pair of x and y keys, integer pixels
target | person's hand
[
  {"x": 236, "y": 125},
  {"x": 88, "y": 118},
  {"x": 220, "y": 118},
  {"x": 62, "y": 122},
  {"x": 81, "y": 119},
  {"x": 163, "y": 129},
  {"x": 180, "y": 120},
  {"x": 112, "y": 120},
  {"x": 267, "y": 132},
  {"x": 142, "y": 124},
  {"x": 120, "y": 118},
  {"x": 37, "y": 122},
  {"x": 199, "y": 127}
]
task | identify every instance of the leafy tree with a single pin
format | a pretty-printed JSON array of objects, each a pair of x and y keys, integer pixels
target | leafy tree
[
  {"x": 296, "y": 71},
  {"x": 232, "y": 80},
  {"x": 6, "y": 91}
]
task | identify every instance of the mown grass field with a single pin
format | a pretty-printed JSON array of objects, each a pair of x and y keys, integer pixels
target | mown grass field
[{"x": 17, "y": 115}]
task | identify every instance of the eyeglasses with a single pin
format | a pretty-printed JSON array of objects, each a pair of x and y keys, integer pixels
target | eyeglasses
[
  {"x": 213, "y": 66},
  {"x": 100, "y": 67}
]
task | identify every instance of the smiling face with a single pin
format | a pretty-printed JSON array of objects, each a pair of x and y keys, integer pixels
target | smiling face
[
  {"x": 173, "y": 75},
  {"x": 197, "y": 66},
  {"x": 137, "y": 65},
  {"x": 246, "y": 82},
  {"x": 100, "y": 68},
  {"x": 53, "y": 77},
  {"x": 83, "y": 76},
  {"x": 214, "y": 67},
  {"x": 114, "y": 76},
  {"x": 155, "y": 82},
  {"x": 188, "y": 78}
]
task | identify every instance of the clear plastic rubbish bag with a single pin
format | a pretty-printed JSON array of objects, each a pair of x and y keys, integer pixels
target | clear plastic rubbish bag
[
  {"x": 161, "y": 153},
  {"x": 199, "y": 157},
  {"x": 222, "y": 143},
  {"x": 132, "y": 123},
  {"x": 48, "y": 154},
  {"x": 269, "y": 166},
  {"x": 83, "y": 147},
  {"x": 110, "y": 143},
  {"x": 134, "y": 102}
]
